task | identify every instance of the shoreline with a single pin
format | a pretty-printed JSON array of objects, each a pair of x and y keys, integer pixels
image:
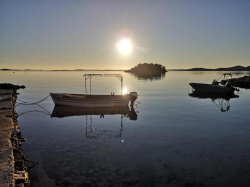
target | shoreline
[
  {"x": 12, "y": 169},
  {"x": 234, "y": 68}
]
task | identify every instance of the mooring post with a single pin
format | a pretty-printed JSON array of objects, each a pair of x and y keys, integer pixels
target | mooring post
[
  {"x": 121, "y": 84},
  {"x": 85, "y": 85},
  {"x": 90, "y": 84}
]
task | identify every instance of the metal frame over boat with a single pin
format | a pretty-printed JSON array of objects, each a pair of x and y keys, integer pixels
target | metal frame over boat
[{"x": 85, "y": 100}]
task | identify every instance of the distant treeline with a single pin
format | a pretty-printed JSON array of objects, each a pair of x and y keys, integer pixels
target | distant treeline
[
  {"x": 60, "y": 70},
  {"x": 235, "y": 68},
  {"x": 148, "y": 68}
]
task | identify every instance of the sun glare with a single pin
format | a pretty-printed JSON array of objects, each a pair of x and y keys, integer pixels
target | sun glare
[
  {"x": 124, "y": 46},
  {"x": 124, "y": 91}
]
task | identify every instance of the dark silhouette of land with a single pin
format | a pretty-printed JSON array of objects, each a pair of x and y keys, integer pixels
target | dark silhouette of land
[
  {"x": 143, "y": 68},
  {"x": 61, "y": 70},
  {"x": 234, "y": 68},
  {"x": 148, "y": 71}
]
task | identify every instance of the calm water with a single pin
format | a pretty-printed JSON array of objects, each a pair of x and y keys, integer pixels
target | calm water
[{"x": 177, "y": 140}]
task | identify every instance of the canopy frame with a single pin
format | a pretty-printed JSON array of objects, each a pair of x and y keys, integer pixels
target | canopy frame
[{"x": 89, "y": 76}]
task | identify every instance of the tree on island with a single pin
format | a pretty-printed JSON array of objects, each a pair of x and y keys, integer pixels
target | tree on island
[{"x": 142, "y": 68}]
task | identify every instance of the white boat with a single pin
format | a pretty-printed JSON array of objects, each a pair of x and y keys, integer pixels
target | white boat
[
  {"x": 88, "y": 100},
  {"x": 215, "y": 87}
]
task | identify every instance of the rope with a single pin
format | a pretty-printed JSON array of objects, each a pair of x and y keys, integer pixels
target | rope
[
  {"x": 45, "y": 111},
  {"x": 27, "y": 103},
  {"x": 34, "y": 111}
]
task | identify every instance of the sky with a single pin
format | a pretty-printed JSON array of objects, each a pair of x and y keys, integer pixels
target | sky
[{"x": 62, "y": 34}]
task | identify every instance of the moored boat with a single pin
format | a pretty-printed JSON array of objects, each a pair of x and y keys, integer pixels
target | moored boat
[
  {"x": 211, "y": 88},
  {"x": 88, "y": 100},
  {"x": 216, "y": 86},
  {"x": 81, "y": 100}
]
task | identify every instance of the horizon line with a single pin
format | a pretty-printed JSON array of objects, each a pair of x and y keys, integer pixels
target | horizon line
[{"x": 7, "y": 69}]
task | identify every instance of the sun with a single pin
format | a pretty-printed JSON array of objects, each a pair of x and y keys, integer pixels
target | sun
[{"x": 124, "y": 46}]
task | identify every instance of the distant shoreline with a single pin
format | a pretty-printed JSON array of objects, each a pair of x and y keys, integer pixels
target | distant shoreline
[
  {"x": 56, "y": 70},
  {"x": 235, "y": 68}
]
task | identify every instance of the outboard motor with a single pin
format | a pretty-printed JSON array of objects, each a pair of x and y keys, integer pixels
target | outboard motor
[{"x": 133, "y": 96}]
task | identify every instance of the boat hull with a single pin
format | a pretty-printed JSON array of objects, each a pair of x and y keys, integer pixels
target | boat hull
[
  {"x": 211, "y": 88},
  {"x": 81, "y": 100}
]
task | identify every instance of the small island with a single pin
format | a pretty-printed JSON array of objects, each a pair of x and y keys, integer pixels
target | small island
[
  {"x": 148, "y": 71},
  {"x": 153, "y": 68}
]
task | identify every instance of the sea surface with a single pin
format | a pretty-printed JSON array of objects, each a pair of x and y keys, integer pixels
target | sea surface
[{"x": 169, "y": 139}]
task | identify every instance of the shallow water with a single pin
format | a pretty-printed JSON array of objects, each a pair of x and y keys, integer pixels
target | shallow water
[{"x": 177, "y": 140}]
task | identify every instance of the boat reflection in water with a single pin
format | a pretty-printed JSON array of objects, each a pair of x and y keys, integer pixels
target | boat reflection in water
[
  {"x": 65, "y": 111},
  {"x": 149, "y": 76},
  {"x": 220, "y": 99}
]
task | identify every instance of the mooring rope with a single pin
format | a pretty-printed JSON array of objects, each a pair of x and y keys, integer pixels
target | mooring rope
[
  {"x": 34, "y": 111},
  {"x": 27, "y": 103}
]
